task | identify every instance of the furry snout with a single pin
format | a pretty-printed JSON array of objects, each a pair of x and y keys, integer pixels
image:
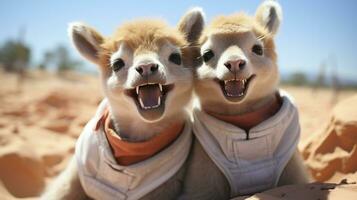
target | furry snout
[{"x": 146, "y": 71}]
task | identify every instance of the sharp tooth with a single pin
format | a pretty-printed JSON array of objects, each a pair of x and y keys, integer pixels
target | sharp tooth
[
  {"x": 159, "y": 101},
  {"x": 141, "y": 103},
  {"x": 160, "y": 86},
  {"x": 225, "y": 82},
  {"x": 137, "y": 90}
]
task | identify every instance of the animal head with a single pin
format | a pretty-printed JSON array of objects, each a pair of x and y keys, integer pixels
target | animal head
[
  {"x": 239, "y": 60},
  {"x": 146, "y": 67}
]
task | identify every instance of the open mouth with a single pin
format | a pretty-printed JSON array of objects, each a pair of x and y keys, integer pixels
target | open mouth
[
  {"x": 150, "y": 98},
  {"x": 235, "y": 89}
]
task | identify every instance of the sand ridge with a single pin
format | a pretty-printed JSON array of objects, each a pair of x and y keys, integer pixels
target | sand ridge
[
  {"x": 41, "y": 119},
  {"x": 334, "y": 148}
]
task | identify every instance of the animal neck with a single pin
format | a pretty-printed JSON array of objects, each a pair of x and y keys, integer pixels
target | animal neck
[
  {"x": 127, "y": 152},
  {"x": 132, "y": 128},
  {"x": 257, "y": 113}
]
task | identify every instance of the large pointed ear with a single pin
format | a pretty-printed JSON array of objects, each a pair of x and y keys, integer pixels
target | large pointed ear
[
  {"x": 86, "y": 40},
  {"x": 192, "y": 24},
  {"x": 270, "y": 15}
]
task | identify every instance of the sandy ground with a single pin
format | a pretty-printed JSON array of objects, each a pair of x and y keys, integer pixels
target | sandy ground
[{"x": 41, "y": 117}]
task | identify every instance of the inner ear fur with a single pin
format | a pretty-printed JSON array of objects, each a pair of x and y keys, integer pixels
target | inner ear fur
[
  {"x": 269, "y": 14},
  {"x": 192, "y": 25},
  {"x": 86, "y": 40}
]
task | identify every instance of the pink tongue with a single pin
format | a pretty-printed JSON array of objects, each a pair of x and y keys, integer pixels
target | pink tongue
[
  {"x": 149, "y": 94},
  {"x": 234, "y": 88}
]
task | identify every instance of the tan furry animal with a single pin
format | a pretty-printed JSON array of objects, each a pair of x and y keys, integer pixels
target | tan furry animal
[
  {"x": 238, "y": 104},
  {"x": 146, "y": 69}
]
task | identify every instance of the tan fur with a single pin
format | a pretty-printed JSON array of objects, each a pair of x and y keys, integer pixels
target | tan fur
[
  {"x": 146, "y": 38},
  {"x": 147, "y": 34},
  {"x": 229, "y": 36},
  {"x": 66, "y": 186},
  {"x": 137, "y": 43},
  {"x": 203, "y": 180},
  {"x": 295, "y": 171},
  {"x": 238, "y": 23},
  {"x": 223, "y": 32},
  {"x": 141, "y": 36}
]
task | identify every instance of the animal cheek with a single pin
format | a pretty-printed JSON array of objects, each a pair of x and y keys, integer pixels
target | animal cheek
[
  {"x": 206, "y": 71},
  {"x": 112, "y": 91},
  {"x": 111, "y": 83},
  {"x": 267, "y": 73},
  {"x": 167, "y": 68},
  {"x": 250, "y": 69},
  {"x": 260, "y": 65},
  {"x": 221, "y": 70},
  {"x": 129, "y": 76}
]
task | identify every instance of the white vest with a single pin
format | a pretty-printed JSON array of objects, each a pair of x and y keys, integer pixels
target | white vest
[
  {"x": 102, "y": 178},
  {"x": 256, "y": 164}
]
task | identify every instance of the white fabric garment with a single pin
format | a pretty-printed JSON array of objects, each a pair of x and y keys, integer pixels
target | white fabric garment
[
  {"x": 256, "y": 164},
  {"x": 102, "y": 178}
]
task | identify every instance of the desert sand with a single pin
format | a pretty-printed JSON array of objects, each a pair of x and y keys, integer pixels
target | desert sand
[{"x": 41, "y": 117}]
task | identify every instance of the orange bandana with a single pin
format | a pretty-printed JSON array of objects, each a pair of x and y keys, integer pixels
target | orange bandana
[
  {"x": 127, "y": 153},
  {"x": 249, "y": 120}
]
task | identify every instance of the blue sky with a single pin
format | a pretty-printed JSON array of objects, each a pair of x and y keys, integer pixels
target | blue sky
[{"x": 312, "y": 31}]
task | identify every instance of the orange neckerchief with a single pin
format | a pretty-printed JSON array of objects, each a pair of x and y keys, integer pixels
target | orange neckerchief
[
  {"x": 247, "y": 121},
  {"x": 127, "y": 153}
]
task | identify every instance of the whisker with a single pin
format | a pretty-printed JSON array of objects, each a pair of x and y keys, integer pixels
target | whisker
[{"x": 262, "y": 37}]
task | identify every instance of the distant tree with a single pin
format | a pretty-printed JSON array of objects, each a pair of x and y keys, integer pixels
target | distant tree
[
  {"x": 321, "y": 77},
  {"x": 15, "y": 55},
  {"x": 335, "y": 82},
  {"x": 60, "y": 58},
  {"x": 298, "y": 79},
  {"x": 46, "y": 60},
  {"x": 65, "y": 62}
]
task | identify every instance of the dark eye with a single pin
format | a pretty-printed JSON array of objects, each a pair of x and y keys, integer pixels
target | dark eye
[
  {"x": 207, "y": 55},
  {"x": 175, "y": 58},
  {"x": 118, "y": 64},
  {"x": 257, "y": 49}
]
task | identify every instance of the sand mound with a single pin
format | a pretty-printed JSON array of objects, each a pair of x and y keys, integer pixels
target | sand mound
[
  {"x": 39, "y": 125},
  {"x": 334, "y": 149},
  {"x": 21, "y": 171},
  {"x": 38, "y": 129},
  {"x": 313, "y": 191}
]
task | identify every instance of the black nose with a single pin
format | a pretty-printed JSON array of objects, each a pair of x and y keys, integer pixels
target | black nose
[
  {"x": 147, "y": 69},
  {"x": 235, "y": 65}
]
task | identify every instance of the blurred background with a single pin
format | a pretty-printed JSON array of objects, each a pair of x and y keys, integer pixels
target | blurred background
[{"x": 48, "y": 92}]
